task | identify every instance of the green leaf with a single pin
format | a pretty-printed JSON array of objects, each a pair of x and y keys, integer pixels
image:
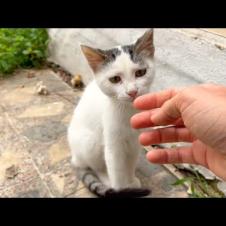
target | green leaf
[{"x": 182, "y": 181}]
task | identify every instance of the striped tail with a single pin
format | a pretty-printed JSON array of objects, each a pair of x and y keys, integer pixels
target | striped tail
[{"x": 93, "y": 183}]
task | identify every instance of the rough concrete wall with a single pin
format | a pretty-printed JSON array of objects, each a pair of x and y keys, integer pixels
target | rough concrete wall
[
  {"x": 180, "y": 59},
  {"x": 65, "y": 46}
]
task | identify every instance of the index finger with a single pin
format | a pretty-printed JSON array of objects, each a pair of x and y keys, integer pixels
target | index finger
[{"x": 153, "y": 100}]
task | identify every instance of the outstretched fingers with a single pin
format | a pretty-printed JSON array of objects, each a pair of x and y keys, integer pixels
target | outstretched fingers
[
  {"x": 171, "y": 156},
  {"x": 165, "y": 135},
  {"x": 153, "y": 100}
]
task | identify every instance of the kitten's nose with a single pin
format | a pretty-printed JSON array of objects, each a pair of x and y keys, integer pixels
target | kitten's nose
[{"x": 132, "y": 93}]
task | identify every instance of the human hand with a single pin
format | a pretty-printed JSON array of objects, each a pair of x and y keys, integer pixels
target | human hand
[{"x": 198, "y": 114}]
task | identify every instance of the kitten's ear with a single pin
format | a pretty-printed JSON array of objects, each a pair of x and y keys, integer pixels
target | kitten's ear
[
  {"x": 144, "y": 45},
  {"x": 94, "y": 57}
]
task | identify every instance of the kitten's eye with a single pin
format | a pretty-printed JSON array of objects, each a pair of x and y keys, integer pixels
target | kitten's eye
[
  {"x": 115, "y": 79},
  {"x": 140, "y": 73}
]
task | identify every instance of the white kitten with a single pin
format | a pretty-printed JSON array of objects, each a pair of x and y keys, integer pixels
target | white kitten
[{"x": 104, "y": 147}]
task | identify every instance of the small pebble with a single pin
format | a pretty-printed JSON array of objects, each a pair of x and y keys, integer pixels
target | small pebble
[
  {"x": 11, "y": 172},
  {"x": 41, "y": 89}
]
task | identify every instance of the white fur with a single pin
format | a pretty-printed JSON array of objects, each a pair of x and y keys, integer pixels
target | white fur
[{"x": 100, "y": 136}]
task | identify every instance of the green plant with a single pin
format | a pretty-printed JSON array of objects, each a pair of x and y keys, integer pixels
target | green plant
[
  {"x": 199, "y": 186},
  {"x": 195, "y": 193},
  {"x": 22, "y": 48}
]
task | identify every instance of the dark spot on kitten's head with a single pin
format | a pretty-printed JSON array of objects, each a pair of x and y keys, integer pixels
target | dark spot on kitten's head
[
  {"x": 111, "y": 55},
  {"x": 129, "y": 49},
  {"x": 143, "y": 48}
]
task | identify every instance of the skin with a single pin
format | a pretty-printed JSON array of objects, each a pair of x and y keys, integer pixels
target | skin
[{"x": 196, "y": 114}]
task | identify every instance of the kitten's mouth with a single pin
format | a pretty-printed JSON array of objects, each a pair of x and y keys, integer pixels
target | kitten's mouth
[
  {"x": 128, "y": 98},
  {"x": 131, "y": 99},
  {"x": 134, "y": 97}
]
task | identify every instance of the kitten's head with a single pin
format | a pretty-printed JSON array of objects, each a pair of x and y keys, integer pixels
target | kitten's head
[{"x": 124, "y": 72}]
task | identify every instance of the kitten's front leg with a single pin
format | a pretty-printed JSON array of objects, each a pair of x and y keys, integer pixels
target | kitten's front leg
[{"x": 121, "y": 162}]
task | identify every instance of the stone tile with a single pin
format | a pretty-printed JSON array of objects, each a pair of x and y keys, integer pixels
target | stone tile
[
  {"x": 66, "y": 120},
  {"x": 82, "y": 193},
  {"x": 48, "y": 142},
  {"x": 59, "y": 151},
  {"x": 13, "y": 153},
  {"x": 161, "y": 185},
  {"x": 18, "y": 95},
  {"x": 48, "y": 130},
  {"x": 20, "y": 160},
  {"x": 33, "y": 188},
  {"x": 62, "y": 181},
  {"x": 49, "y": 155},
  {"x": 36, "y": 135},
  {"x": 80, "y": 186},
  {"x": 49, "y": 110},
  {"x": 43, "y": 120}
]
